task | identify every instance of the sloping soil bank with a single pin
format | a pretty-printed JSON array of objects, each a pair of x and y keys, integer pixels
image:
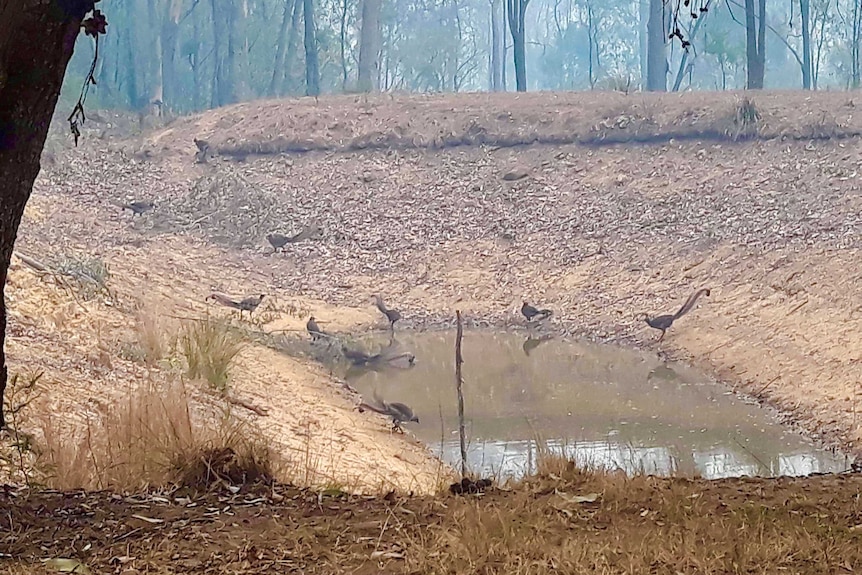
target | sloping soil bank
[{"x": 767, "y": 217}]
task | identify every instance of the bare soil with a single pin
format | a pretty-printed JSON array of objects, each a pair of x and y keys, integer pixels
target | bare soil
[{"x": 599, "y": 206}]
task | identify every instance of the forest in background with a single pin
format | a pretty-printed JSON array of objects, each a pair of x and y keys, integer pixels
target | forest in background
[{"x": 180, "y": 56}]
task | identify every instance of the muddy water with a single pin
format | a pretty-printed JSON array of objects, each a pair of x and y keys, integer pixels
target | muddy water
[{"x": 601, "y": 405}]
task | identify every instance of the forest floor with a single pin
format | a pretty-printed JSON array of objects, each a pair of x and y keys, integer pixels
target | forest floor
[{"x": 599, "y": 206}]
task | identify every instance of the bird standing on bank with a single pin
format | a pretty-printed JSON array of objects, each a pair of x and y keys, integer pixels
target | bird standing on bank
[
  {"x": 137, "y": 207},
  {"x": 391, "y": 314},
  {"x": 663, "y": 322},
  {"x": 203, "y": 149},
  {"x": 277, "y": 241},
  {"x": 314, "y": 329},
  {"x": 248, "y": 304},
  {"x": 399, "y": 412},
  {"x": 532, "y": 313}
]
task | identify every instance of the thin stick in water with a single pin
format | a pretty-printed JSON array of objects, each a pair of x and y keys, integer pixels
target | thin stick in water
[{"x": 459, "y": 382}]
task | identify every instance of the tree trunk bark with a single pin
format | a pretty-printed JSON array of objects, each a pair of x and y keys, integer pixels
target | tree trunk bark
[
  {"x": 855, "y": 45},
  {"x": 312, "y": 69},
  {"x": 517, "y": 15},
  {"x": 36, "y": 41},
  {"x": 683, "y": 62},
  {"x": 290, "y": 58},
  {"x": 170, "y": 27},
  {"x": 656, "y": 52},
  {"x": 130, "y": 71},
  {"x": 236, "y": 61},
  {"x": 228, "y": 43},
  {"x": 498, "y": 39},
  {"x": 505, "y": 25},
  {"x": 345, "y": 5},
  {"x": 369, "y": 47},
  {"x": 195, "y": 62},
  {"x": 280, "y": 50},
  {"x": 643, "y": 40},
  {"x": 805, "y": 10},
  {"x": 153, "y": 58},
  {"x": 755, "y": 40}
]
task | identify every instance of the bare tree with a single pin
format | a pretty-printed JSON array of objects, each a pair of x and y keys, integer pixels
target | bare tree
[
  {"x": 755, "y": 43},
  {"x": 643, "y": 40},
  {"x": 36, "y": 42},
  {"x": 498, "y": 40},
  {"x": 805, "y": 11},
  {"x": 684, "y": 65},
  {"x": 312, "y": 68},
  {"x": 226, "y": 31},
  {"x": 657, "y": 67},
  {"x": 517, "y": 10},
  {"x": 856, "y": 46},
  {"x": 369, "y": 47},
  {"x": 345, "y": 5},
  {"x": 168, "y": 45},
  {"x": 281, "y": 44}
]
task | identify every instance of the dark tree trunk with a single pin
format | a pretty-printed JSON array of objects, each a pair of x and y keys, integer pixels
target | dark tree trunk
[
  {"x": 805, "y": 10},
  {"x": 345, "y": 5},
  {"x": 856, "y": 46},
  {"x": 170, "y": 28},
  {"x": 36, "y": 41},
  {"x": 498, "y": 40},
  {"x": 656, "y": 54},
  {"x": 312, "y": 69},
  {"x": 755, "y": 44},
  {"x": 238, "y": 51},
  {"x": 505, "y": 50},
  {"x": 278, "y": 72},
  {"x": 293, "y": 37},
  {"x": 643, "y": 42},
  {"x": 128, "y": 69},
  {"x": 195, "y": 63},
  {"x": 517, "y": 15},
  {"x": 369, "y": 47},
  {"x": 153, "y": 58},
  {"x": 226, "y": 47}
]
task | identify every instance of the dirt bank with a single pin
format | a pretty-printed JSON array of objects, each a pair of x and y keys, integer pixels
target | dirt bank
[
  {"x": 766, "y": 216},
  {"x": 90, "y": 352}
]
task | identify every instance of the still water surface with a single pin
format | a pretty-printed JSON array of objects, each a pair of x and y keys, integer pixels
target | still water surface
[{"x": 602, "y": 405}]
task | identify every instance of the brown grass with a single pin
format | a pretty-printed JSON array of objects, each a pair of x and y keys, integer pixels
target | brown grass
[
  {"x": 154, "y": 339},
  {"x": 209, "y": 348},
  {"x": 152, "y": 439},
  {"x": 635, "y": 525},
  {"x": 572, "y": 522}
]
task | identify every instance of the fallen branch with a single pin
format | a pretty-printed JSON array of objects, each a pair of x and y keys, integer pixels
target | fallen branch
[
  {"x": 251, "y": 407},
  {"x": 34, "y": 263}
]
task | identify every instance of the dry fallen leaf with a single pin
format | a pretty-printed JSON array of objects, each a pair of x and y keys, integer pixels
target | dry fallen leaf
[
  {"x": 149, "y": 519},
  {"x": 588, "y": 498},
  {"x": 64, "y": 565},
  {"x": 387, "y": 555}
]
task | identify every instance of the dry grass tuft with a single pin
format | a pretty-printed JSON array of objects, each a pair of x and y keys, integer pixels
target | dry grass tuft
[
  {"x": 244, "y": 462},
  {"x": 150, "y": 440},
  {"x": 746, "y": 120},
  {"x": 210, "y": 348},
  {"x": 154, "y": 340},
  {"x": 90, "y": 274},
  {"x": 153, "y": 337}
]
